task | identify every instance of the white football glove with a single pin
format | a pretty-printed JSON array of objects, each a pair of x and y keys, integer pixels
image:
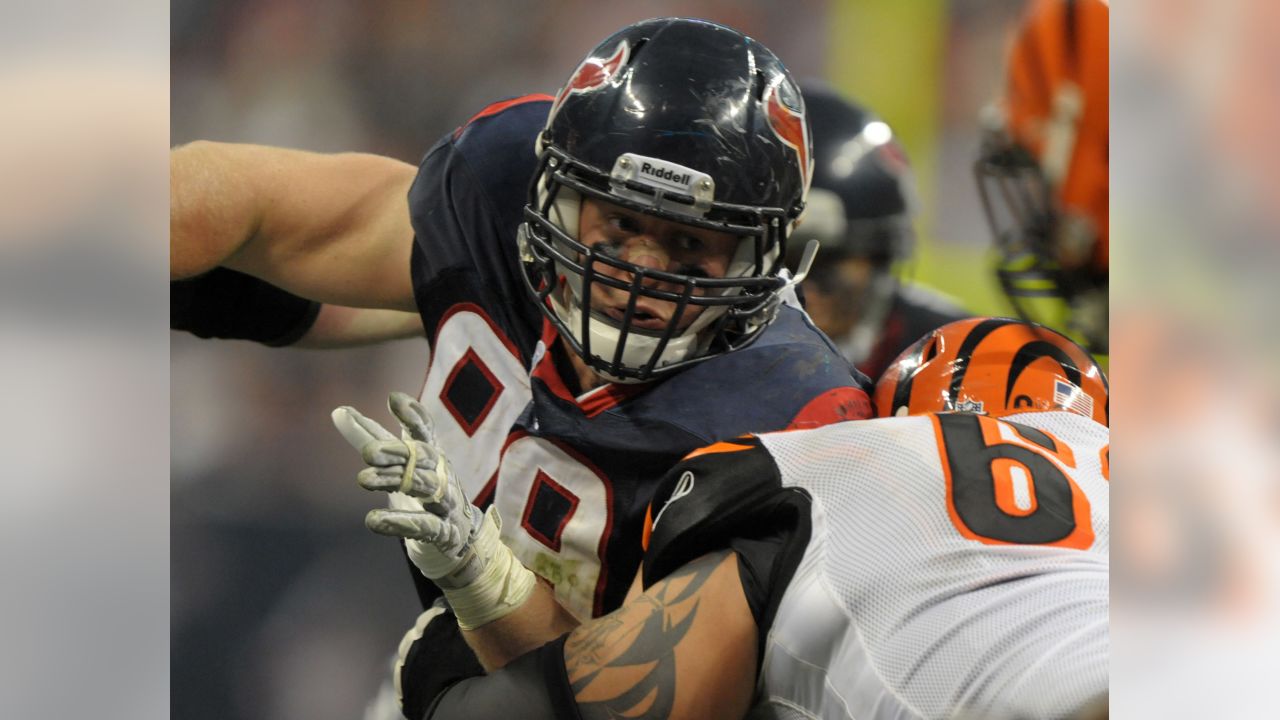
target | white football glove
[{"x": 450, "y": 540}]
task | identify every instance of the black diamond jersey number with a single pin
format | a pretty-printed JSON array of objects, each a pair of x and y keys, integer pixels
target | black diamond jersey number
[
  {"x": 470, "y": 392},
  {"x": 549, "y": 509}
]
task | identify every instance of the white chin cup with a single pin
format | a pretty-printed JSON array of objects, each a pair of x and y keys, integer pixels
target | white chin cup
[{"x": 640, "y": 347}]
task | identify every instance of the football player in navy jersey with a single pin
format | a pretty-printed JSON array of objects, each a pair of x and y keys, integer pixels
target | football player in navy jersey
[
  {"x": 860, "y": 210},
  {"x": 599, "y": 273}
]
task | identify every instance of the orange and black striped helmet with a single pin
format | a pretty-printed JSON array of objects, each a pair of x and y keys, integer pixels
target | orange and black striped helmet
[{"x": 993, "y": 366}]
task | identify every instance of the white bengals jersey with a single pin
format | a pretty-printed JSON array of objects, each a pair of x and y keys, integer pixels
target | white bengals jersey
[{"x": 954, "y": 566}]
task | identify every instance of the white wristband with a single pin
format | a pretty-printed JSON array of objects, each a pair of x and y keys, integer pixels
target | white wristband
[{"x": 502, "y": 585}]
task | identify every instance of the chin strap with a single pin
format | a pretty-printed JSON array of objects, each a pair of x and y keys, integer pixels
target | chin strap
[{"x": 806, "y": 263}]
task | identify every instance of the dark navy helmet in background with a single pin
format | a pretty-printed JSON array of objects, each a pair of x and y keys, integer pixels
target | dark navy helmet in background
[
  {"x": 862, "y": 198},
  {"x": 860, "y": 211}
]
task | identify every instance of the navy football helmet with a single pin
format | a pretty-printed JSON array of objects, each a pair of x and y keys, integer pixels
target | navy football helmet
[
  {"x": 686, "y": 121},
  {"x": 860, "y": 205}
]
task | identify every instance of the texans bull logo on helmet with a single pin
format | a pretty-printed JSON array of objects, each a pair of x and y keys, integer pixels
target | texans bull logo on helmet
[
  {"x": 591, "y": 74},
  {"x": 789, "y": 125}
]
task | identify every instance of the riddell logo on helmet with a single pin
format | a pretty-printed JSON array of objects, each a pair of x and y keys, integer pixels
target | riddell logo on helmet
[
  {"x": 666, "y": 174},
  {"x": 662, "y": 175}
]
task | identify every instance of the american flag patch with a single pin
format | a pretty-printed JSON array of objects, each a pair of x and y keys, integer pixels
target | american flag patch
[{"x": 1070, "y": 397}]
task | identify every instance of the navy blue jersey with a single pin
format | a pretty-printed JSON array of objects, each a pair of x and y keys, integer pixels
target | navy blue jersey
[{"x": 572, "y": 475}]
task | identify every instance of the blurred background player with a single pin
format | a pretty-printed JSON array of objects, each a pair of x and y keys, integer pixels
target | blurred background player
[
  {"x": 948, "y": 559},
  {"x": 1043, "y": 170},
  {"x": 861, "y": 208}
]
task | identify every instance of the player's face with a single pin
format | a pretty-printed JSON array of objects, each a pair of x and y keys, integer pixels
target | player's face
[
  {"x": 835, "y": 300},
  {"x": 652, "y": 243}
]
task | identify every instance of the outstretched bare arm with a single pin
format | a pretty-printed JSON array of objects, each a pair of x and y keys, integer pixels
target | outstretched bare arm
[{"x": 333, "y": 228}]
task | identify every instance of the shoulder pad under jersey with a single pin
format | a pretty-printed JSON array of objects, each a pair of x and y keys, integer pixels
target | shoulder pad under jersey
[{"x": 724, "y": 491}]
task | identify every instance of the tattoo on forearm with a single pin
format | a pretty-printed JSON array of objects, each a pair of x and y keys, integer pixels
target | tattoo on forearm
[{"x": 633, "y": 648}]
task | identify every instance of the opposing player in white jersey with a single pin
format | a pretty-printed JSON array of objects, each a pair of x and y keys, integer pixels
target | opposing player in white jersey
[{"x": 952, "y": 563}]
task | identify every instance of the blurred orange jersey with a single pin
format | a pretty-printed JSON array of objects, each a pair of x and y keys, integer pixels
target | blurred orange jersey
[{"x": 1056, "y": 105}]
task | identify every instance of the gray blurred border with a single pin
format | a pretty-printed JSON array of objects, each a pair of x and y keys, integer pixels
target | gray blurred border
[
  {"x": 1196, "y": 404},
  {"x": 84, "y": 504}
]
